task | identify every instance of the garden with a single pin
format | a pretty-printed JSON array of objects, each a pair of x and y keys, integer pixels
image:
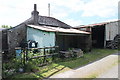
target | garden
[{"x": 40, "y": 67}]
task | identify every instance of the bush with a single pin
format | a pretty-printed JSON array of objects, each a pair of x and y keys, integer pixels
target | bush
[{"x": 11, "y": 67}]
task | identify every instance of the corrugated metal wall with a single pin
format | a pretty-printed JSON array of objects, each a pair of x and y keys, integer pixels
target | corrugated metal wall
[
  {"x": 44, "y": 39},
  {"x": 111, "y": 30}
]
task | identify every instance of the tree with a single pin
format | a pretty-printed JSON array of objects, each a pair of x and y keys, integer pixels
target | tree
[{"x": 6, "y": 26}]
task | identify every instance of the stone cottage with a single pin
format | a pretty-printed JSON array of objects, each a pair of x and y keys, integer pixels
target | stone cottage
[{"x": 47, "y": 31}]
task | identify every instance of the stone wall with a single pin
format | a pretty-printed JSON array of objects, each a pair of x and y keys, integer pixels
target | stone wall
[{"x": 16, "y": 36}]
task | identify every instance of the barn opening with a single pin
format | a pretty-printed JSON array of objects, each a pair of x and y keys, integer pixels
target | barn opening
[{"x": 98, "y": 36}]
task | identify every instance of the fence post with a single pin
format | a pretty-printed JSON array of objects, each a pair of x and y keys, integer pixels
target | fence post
[
  {"x": 57, "y": 51},
  {"x": 24, "y": 59},
  {"x": 44, "y": 60},
  {"x": 26, "y": 54},
  {"x": 52, "y": 55}
]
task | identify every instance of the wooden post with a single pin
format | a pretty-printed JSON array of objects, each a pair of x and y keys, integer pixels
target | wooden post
[
  {"x": 44, "y": 60},
  {"x": 25, "y": 57},
  {"x": 52, "y": 55},
  {"x": 24, "y": 51},
  {"x": 26, "y": 54},
  {"x": 57, "y": 51}
]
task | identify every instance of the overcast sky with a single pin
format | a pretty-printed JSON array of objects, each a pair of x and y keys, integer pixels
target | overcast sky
[{"x": 72, "y": 12}]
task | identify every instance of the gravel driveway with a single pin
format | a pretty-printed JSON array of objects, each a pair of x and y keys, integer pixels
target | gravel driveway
[{"x": 92, "y": 70}]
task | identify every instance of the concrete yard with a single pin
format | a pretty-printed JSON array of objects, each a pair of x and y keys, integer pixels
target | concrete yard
[
  {"x": 112, "y": 73},
  {"x": 94, "y": 70}
]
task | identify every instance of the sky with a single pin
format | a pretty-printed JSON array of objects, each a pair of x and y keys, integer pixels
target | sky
[{"x": 72, "y": 12}]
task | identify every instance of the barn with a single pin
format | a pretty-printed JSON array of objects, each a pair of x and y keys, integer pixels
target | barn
[
  {"x": 47, "y": 31},
  {"x": 102, "y": 33}
]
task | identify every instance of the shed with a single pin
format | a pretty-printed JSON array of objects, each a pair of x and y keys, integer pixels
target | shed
[{"x": 56, "y": 36}]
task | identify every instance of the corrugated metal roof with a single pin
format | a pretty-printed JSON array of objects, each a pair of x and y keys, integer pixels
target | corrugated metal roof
[
  {"x": 91, "y": 25},
  {"x": 58, "y": 29},
  {"x": 96, "y": 24}
]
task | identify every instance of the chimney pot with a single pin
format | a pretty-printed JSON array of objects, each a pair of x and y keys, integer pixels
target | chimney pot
[{"x": 35, "y": 7}]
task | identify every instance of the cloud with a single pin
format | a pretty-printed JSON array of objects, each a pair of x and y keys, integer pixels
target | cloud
[
  {"x": 101, "y": 8},
  {"x": 73, "y": 5},
  {"x": 59, "y": 15},
  {"x": 16, "y": 11},
  {"x": 73, "y": 22}
]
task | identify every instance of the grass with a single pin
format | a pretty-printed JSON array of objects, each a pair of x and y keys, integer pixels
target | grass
[
  {"x": 94, "y": 55},
  {"x": 64, "y": 65}
]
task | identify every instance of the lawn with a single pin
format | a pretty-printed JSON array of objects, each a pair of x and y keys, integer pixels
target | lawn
[{"x": 62, "y": 65}]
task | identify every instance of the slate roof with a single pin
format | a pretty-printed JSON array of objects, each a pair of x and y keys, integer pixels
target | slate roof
[{"x": 50, "y": 21}]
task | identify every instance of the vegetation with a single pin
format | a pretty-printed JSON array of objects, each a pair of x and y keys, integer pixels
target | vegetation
[
  {"x": 35, "y": 72},
  {"x": 6, "y": 26}
]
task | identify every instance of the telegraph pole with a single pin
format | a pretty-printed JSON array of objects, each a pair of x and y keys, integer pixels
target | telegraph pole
[{"x": 49, "y": 9}]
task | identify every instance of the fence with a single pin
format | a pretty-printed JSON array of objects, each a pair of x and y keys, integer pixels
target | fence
[{"x": 43, "y": 54}]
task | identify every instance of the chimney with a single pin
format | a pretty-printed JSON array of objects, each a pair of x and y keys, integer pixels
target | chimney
[{"x": 35, "y": 15}]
